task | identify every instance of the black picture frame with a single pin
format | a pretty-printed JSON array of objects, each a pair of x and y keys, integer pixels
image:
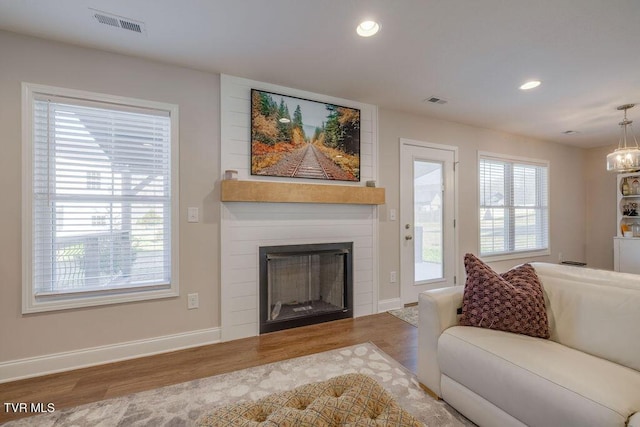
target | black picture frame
[{"x": 300, "y": 138}]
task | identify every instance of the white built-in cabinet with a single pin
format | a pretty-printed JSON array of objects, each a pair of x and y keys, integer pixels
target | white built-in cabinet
[{"x": 626, "y": 244}]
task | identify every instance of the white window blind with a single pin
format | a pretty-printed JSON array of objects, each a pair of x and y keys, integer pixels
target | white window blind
[
  {"x": 101, "y": 198},
  {"x": 514, "y": 211}
]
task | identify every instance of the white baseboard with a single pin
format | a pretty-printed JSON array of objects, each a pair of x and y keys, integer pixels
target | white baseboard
[
  {"x": 389, "y": 304},
  {"x": 59, "y": 362}
]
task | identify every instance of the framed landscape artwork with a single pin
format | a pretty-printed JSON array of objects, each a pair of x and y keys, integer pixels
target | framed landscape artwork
[{"x": 300, "y": 138}]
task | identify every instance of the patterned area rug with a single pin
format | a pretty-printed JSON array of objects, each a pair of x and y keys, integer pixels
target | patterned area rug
[
  {"x": 182, "y": 404},
  {"x": 408, "y": 314}
]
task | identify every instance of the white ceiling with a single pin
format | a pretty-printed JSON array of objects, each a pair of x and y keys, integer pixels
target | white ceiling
[{"x": 472, "y": 53}]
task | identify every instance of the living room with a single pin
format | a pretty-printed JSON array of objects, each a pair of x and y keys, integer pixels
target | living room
[{"x": 582, "y": 218}]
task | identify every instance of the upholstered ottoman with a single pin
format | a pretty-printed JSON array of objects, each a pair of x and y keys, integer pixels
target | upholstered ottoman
[{"x": 347, "y": 400}]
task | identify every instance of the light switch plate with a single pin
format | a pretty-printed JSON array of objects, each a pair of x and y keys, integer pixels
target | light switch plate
[{"x": 193, "y": 215}]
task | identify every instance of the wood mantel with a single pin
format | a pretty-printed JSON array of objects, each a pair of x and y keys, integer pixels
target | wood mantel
[{"x": 286, "y": 192}]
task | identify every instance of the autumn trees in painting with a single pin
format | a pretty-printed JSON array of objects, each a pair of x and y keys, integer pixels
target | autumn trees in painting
[{"x": 300, "y": 138}]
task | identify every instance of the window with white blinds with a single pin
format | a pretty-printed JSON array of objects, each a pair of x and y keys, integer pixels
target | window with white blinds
[
  {"x": 514, "y": 206},
  {"x": 102, "y": 192}
]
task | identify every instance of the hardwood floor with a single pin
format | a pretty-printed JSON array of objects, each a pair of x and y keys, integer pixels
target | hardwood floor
[{"x": 392, "y": 335}]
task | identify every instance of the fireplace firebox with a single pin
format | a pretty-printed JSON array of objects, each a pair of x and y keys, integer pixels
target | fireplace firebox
[{"x": 305, "y": 284}]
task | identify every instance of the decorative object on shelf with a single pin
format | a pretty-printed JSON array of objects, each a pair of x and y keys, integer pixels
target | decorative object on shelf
[
  {"x": 230, "y": 175},
  {"x": 626, "y": 230},
  {"x": 635, "y": 186},
  {"x": 624, "y": 158},
  {"x": 630, "y": 209},
  {"x": 371, "y": 183},
  {"x": 625, "y": 187}
]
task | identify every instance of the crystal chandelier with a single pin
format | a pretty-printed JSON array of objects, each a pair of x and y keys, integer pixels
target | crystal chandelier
[{"x": 624, "y": 158}]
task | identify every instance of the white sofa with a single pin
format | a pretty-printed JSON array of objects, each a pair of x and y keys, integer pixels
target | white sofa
[{"x": 586, "y": 374}]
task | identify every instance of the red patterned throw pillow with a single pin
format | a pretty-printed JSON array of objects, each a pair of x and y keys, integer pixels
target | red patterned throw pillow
[{"x": 512, "y": 301}]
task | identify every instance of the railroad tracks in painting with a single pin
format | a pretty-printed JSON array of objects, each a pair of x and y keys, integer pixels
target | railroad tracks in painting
[{"x": 309, "y": 166}]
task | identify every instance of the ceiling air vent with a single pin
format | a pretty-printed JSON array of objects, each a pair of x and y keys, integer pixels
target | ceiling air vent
[
  {"x": 131, "y": 26},
  {"x": 434, "y": 100},
  {"x": 104, "y": 19},
  {"x": 118, "y": 21}
]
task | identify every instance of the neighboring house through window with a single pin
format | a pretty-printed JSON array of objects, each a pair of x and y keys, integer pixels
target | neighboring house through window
[
  {"x": 100, "y": 199},
  {"x": 93, "y": 180},
  {"x": 514, "y": 206}
]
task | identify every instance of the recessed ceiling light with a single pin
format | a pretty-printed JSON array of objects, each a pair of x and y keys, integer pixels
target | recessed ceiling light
[
  {"x": 367, "y": 28},
  {"x": 530, "y": 84}
]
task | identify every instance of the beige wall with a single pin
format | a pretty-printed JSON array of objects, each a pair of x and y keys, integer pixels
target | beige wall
[
  {"x": 600, "y": 208},
  {"x": 567, "y": 197},
  {"x": 197, "y": 94}
]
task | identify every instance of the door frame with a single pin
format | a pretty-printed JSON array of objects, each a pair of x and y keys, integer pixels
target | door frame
[{"x": 429, "y": 145}]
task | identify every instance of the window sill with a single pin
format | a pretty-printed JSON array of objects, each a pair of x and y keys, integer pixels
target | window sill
[
  {"x": 515, "y": 255},
  {"x": 34, "y": 304}
]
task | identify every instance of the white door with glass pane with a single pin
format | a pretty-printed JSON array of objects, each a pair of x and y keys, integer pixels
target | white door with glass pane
[{"x": 427, "y": 218}]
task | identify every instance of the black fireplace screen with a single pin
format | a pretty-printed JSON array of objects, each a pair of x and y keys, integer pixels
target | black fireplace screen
[{"x": 304, "y": 284}]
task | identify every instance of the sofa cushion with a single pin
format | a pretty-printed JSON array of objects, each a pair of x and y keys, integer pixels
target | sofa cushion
[
  {"x": 512, "y": 301},
  {"x": 594, "y": 311},
  {"x": 539, "y": 382},
  {"x": 591, "y": 275}
]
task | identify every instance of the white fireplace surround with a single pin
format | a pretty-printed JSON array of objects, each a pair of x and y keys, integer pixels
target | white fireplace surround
[{"x": 245, "y": 226}]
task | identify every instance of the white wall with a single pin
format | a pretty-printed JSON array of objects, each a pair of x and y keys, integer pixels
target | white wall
[{"x": 247, "y": 226}]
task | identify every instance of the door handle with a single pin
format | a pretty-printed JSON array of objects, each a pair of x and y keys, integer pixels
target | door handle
[{"x": 408, "y": 237}]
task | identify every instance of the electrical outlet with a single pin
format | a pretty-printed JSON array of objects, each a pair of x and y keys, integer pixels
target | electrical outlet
[
  {"x": 392, "y": 214},
  {"x": 393, "y": 277},
  {"x": 192, "y": 301}
]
